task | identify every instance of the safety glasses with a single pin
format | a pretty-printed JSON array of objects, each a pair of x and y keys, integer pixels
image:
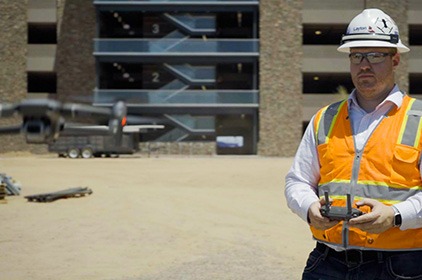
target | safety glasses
[{"x": 372, "y": 57}]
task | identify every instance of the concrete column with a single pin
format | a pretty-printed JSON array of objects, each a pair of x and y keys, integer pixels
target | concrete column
[
  {"x": 75, "y": 63},
  {"x": 13, "y": 52},
  {"x": 280, "y": 114},
  {"x": 397, "y": 10}
]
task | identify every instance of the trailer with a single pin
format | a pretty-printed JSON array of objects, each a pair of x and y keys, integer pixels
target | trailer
[{"x": 87, "y": 146}]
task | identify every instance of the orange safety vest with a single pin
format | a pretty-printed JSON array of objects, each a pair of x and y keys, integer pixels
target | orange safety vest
[{"x": 387, "y": 169}]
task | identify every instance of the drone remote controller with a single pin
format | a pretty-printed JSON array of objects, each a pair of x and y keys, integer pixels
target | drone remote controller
[{"x": 336, "y": 213}]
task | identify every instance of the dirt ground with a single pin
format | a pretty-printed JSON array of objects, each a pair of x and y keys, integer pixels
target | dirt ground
[{"x": 187, "y": 218}]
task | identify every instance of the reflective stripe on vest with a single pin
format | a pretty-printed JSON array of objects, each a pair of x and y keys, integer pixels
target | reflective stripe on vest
[
  {"x": 412, "y": 125},
  {"x": 328, "y": 119},
  {"x": 382, "y": 193}
]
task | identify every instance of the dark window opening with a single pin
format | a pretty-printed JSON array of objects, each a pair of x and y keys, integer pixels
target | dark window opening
[
  {"x": 415, "y": 34},
  {"x": 326, "y": 82},
  {"x": 415, "y": 83},
  {"x": 235, "y": 76},
  {"x": 121, "y": 24},
  {"x": 235, "y": 25},
  {"x": 322, "y": 34},
  {"x": 120, "y": 76},
  {"x": 240, "y": 132},
  {"x": 42, "y": 34},
  {"x": 45, "y": 82}
]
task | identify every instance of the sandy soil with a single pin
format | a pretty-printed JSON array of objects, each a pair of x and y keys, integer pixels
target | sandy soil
[{"x": 151, "y": 218}]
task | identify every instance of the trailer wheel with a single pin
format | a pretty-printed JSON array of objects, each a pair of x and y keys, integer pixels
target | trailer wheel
[
  {"x": 73, "y": 152},
  {"x": 86, "y": 153}
]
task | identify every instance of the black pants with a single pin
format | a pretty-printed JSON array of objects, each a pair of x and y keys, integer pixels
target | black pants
[{"x": 328, "y": 264}]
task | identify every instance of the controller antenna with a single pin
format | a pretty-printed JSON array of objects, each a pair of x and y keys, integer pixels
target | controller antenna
[{"x": 327, "y": 201}]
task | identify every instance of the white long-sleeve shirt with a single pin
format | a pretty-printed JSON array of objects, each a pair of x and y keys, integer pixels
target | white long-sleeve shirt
[{"x": 303, "y": 177}]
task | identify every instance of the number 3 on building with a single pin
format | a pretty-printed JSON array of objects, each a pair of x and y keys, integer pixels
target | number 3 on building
[{"x": 155, "y": 28}]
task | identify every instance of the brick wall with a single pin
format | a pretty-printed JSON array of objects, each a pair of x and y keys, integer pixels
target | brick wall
[
  {"x": 13, "y": 52},
  {"x": 75, "y": 63},
  {"x": 280, "y": 77}
]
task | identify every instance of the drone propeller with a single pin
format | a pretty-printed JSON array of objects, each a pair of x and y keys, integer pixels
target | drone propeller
[{"x": 44, "y": 119}]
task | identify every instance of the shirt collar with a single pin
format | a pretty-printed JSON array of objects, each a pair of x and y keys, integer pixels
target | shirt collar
[{"x": 395, "y": 97}]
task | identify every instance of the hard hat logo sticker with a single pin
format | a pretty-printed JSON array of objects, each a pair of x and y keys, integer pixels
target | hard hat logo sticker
[
  {"x": 359, "y": 28},
  {"x": 384, "y": 25}
]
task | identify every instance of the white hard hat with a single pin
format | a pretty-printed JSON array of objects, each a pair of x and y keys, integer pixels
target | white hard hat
[{"x": 372, "y": 28}]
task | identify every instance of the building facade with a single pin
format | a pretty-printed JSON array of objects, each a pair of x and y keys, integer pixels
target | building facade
[{"x": 225, "y": 77}]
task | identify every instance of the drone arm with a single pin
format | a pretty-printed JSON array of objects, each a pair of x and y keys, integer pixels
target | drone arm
[{"x": 81, "y": 111}]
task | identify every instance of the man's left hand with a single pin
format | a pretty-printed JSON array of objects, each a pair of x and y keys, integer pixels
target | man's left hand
[{"x": 378, "y": 220}]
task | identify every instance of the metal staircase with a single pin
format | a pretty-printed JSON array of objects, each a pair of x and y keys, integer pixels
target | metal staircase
[
  {"x": 189, "y": 55},
  {"x": 193, "y": 24}
]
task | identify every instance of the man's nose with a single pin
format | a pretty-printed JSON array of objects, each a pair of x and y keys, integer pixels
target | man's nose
[{"x": 365, "y": 64}]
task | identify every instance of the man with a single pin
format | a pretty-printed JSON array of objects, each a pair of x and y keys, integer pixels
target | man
[{"x": 367, "y": 148}]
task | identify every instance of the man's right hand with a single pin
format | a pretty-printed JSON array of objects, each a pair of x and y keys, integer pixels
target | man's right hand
[{"x": 316, "y": 219}]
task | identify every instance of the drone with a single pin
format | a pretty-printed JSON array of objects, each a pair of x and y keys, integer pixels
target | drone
[{"x": 44, "y": 120}]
